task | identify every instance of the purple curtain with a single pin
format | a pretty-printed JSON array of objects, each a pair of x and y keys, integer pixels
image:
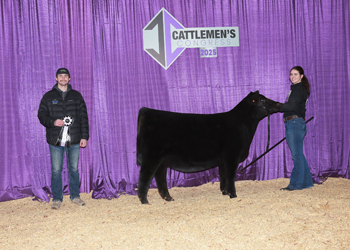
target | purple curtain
[{"x": 101, "y": 43}]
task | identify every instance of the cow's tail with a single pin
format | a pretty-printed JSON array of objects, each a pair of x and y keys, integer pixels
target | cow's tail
[{"x": 140, "y": 119}]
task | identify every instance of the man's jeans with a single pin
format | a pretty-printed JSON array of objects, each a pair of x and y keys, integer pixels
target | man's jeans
[
  {"x": 295, "y": 133},
  {"x": 57, "y": 156}
]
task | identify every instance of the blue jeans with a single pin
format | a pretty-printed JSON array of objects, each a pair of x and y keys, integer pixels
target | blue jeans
[
  {"x": 57, "y": 156},
  {"x": 295, "y": 133}
]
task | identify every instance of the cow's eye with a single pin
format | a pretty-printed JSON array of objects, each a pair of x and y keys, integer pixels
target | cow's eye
[{"x": 262, "y": 100}]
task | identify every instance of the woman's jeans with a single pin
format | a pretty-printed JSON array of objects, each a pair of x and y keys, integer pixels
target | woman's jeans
[
  {"x": 57, "y": 156},
  {"x": 295, "y": 133}
]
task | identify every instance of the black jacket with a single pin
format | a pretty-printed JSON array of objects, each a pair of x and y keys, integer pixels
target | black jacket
[
  {"x": 55, "y": 106},
  {"x": 296, "y": 102}
]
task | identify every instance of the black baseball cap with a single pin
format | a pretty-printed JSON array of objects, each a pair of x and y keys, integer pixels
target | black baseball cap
[{"x": 62, "y": 71}]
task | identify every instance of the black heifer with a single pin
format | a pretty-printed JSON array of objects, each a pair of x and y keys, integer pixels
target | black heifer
[{"x": 196, "y": 142}]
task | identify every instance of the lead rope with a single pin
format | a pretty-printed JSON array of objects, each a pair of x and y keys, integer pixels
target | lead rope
[{"x": 240, "y": 171}]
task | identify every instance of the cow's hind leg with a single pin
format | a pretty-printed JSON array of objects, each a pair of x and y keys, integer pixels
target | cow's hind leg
[
  {"x": 222, "y": 174},
  {"x": 160, "y": 177},
  {"x": 145, "y": 178}
]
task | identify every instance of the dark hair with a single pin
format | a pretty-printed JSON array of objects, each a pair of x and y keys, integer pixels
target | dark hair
[{"x": 304, "y": 80}]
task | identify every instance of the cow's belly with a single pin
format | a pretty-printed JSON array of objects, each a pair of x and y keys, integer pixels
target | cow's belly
[{"x": 191, "y": 166}]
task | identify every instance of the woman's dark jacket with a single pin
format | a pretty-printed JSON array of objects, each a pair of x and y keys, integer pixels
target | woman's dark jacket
[
  {"x": 56, "y": 104},
  {"x": 296, "y": 102}
]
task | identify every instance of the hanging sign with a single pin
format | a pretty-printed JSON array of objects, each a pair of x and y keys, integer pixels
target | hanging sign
[{"x": 164, "y": 38}]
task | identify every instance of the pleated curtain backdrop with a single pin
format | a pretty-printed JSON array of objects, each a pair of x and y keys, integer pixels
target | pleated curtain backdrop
[{"x": 101, "y": 43}]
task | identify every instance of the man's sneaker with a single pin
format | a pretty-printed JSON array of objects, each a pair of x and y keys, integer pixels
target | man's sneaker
[
  {"x": 56, "y": 204},
  {"x": 78, "y": 201}
]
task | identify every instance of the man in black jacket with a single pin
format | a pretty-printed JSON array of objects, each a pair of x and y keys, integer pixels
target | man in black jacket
[{"x": 63, "y": 112}]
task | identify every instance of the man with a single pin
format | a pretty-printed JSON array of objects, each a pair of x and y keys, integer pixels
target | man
[{"x": 63, "y": 112}]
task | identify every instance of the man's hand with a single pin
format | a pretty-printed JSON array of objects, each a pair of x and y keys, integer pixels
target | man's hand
[
  {"x": 59, "y": 123},
  {"x": 83, "y": 143}
]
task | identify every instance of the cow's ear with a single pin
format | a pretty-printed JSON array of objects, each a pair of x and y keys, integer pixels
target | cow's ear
[{"x": 255, "y": 96}]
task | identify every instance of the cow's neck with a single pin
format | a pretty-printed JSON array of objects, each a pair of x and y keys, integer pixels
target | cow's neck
[
  {"x": 252, "y": 124},
  {"x": 248, "y": 116}
]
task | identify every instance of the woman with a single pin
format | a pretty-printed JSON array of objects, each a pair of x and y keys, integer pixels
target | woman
[{"x": 294, "y": 120}]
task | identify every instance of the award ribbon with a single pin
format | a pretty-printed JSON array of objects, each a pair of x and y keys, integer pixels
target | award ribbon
[{"x": 64, "y": 137}]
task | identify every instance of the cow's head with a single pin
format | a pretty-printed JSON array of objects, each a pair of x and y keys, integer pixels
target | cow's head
[{"x": 264, "y": 105}]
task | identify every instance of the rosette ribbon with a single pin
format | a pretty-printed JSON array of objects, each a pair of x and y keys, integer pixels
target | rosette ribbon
[{"x": 63, "y": 139}]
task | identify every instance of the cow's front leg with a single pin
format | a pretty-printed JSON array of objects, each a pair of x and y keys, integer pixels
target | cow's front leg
[
  {"x": 231, "y": 189},
  {"x": 162, "y": 186},
  {"x": 231, "y": 170},
  {"x": 222, "y": 173},
  {"x": 145, "y": 178}
]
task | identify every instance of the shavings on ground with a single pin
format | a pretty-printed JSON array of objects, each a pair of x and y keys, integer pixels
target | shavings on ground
[{"x": 261, "y": 217}]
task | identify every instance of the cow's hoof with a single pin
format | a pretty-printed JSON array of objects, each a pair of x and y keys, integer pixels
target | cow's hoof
[
  {"x": 233, "y": 196},
  {"x": 224, "y": 192},
  {"x": 169, "y": 199},
  {"x": 144, "y": 201}
]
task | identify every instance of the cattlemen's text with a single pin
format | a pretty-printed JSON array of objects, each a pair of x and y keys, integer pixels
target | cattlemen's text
[{"x": 203, "y": 34}]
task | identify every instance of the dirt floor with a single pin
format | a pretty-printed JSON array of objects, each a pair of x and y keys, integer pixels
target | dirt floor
[{"x": 261, "y": 217}]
